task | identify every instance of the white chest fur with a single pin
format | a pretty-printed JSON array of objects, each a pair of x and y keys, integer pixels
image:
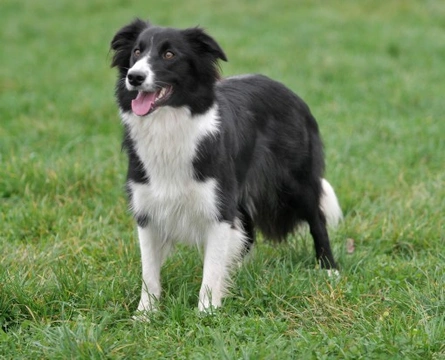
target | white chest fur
[{"x": 179, "y": 207}]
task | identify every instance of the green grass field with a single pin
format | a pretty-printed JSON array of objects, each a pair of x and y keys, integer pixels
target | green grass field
[{"x": 373, "y": 73}]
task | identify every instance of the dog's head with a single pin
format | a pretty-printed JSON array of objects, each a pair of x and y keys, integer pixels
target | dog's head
[{"x": 165, "y": 67}]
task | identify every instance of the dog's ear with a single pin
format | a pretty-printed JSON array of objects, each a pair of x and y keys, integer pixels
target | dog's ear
[
  {"x": 124, "y": 40},
  {"x": 204, "y": 43}
]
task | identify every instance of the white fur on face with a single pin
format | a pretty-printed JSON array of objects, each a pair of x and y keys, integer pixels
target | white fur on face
[{"x": 142, "y": 66}]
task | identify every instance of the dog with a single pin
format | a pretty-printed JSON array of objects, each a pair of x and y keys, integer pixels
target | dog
[{"x": 212, "y": 160}]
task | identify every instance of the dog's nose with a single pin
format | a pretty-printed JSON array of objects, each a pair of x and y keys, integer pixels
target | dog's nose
[{"x": 136, "y": 78}]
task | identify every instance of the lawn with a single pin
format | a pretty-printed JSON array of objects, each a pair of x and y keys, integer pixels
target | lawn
[{"x": 372, "y": 73}]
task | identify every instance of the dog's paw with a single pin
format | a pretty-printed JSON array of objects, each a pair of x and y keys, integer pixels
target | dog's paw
[
  {"x": 207, "y": 311},
  {"x": 145, "y": 310},
  {"x": 208, "y": 307},
  {"x": 333, "y": 273},
  {"x": 142, "y": 316},
  {"x": 148, "y": 304}
]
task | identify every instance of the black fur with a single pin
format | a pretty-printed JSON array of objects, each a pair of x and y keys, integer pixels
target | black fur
[{"x": 268, "y": 156}]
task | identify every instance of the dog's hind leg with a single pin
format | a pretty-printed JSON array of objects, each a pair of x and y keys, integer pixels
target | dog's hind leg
[
  {"x": 223, "y": 248},
  {"x": 249, "y": 230},
  {"x": 317, "y": 225}
]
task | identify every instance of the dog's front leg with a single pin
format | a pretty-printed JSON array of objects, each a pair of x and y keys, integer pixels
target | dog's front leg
[
  {"x": 153, "y": 254},
  {"x": 223, "y": 247}
]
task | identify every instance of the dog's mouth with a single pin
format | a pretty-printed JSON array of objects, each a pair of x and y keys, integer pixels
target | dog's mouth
[{"x": 147, "y": 102}]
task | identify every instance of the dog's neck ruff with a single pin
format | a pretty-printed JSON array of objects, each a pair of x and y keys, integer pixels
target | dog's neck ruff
[
  {"x": 166, "y": 143},
  {"x": 166, "y": 140}
]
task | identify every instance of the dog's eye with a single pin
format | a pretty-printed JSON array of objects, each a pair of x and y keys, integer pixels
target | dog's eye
[
  {"x": 168, "y": 55},
  {"x": 137, "y": 53}
]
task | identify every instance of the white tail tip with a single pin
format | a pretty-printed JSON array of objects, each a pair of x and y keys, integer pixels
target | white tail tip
[{"x": 329, "y": 204}]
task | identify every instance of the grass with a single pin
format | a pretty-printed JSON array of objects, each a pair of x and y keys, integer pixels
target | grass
[{"x": 371, "y": 71}]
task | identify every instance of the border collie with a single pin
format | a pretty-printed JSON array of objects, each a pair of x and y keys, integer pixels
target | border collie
[{"x": 212, "y": 160}]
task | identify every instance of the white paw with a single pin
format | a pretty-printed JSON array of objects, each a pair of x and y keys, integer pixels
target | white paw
[
  {"x": 207, "y": 310},
  {"x": 206, "y": 306},
  {"x": 142, "y": 316},
  {"x": 333, "y": 273},
  {"x": 148, "y": 302},
  {"x": 145, "y": 310}
]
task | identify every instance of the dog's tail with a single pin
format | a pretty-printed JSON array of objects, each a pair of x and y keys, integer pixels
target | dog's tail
[{"x": 329, "y": 204}]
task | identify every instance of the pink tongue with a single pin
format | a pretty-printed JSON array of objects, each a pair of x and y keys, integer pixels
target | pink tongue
[{"x": 143, "y": 103}]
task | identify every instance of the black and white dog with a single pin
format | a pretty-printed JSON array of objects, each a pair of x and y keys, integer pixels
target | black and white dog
[{"x": 211, "y": 160}]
